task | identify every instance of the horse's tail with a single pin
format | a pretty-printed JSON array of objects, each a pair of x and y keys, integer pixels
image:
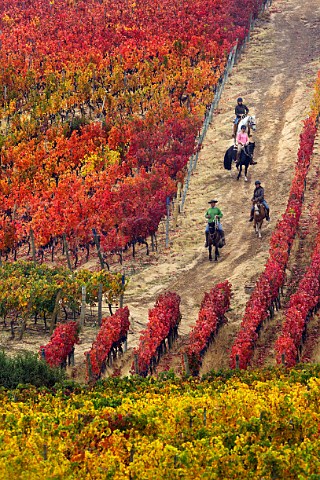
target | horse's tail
[{"x": 227, "y": 162}]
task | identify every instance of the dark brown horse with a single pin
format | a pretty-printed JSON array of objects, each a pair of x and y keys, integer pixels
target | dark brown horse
[
  {"x": 215, "y": 239},
  {"x": 246, "y": 159},
  {"x": 259, "y": 214}
]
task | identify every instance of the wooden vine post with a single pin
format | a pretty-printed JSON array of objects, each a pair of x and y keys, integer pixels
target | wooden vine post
[
  {"x": 136, "y": 366},
  {"x": 97, "y": 243},
  {"x": 186, "y": 364},
  {"x": 167, "y": 221},
  {"x": 33, "y": 248},
  {"x": 90, "y": 376},
  {"x": 55, "y": 311},
  {"x": 237, "y": 362},
  {"x": 176, "y": 205},
  {"x": 100, "y": 305},
  {"x": 66, "y": 249},
  {"x": 83, "y": 306},
  {"x": 123, "y": 281}
]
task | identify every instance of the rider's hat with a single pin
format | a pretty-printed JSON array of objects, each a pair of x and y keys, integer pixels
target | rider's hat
[
  {"x": 257, "y": 182},
  {"x": 239, "y": 99},
  {"x": 213, "y": 201}
]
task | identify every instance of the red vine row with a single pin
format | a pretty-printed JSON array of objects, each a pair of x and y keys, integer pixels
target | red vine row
[
  {"x": 61, "y": 344},
  {"x": 302, "y": 304},
  {"x": 163, "y": 323},
  {"x": 112, "y": 334},
  {"x": 211, "y": 315},
  {"x": 267, "y": 290}
]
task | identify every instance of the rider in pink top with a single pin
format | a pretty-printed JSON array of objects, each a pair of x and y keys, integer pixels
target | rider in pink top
[
  {"x": 242, "y": 137},
  {"x": 242, "y": 140}
]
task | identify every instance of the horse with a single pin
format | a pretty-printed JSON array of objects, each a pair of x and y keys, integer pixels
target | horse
[
  {"x": 246, "y": 159},
  {"x": 216, "y": 239},
  {"x": 249, "y": 121},
  {"x": 259, "y": 213}
]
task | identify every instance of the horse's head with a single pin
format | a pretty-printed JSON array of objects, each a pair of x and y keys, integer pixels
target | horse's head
[
  {"x": 258, "y": 208},
  {"x": 212, "y": 227},
  {"x": 252, "y": 122},
  {"x": 256, "y": 205},
  {"x": 250, "y": 148}
]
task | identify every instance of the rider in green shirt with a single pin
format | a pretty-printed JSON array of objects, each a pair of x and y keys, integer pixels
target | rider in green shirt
[{"x": 211, "y": 214}]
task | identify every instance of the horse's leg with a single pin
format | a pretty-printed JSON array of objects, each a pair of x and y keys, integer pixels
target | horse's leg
[
  {"x": 245, "y": 172},
  {"x": 210, "y": 252},
  {"x": 240, "y": 170},
  {"x": 216, "y": 253}
]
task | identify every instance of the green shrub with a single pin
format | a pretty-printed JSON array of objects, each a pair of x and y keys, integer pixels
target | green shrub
[{"x": 27, "y": 368}]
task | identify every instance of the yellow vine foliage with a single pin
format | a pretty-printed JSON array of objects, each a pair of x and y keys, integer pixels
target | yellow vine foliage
[{"x": 250, "y": 427}]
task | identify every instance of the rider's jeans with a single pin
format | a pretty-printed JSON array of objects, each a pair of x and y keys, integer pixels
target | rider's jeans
[{"x": 219, "y": 227}]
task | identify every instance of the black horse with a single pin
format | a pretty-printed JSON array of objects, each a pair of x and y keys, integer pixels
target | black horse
[
  {"x": 215, "y": 239},
  {"x": 246, "y": 158}
]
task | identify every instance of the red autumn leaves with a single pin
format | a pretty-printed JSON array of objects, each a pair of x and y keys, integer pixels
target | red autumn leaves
[
  {"x": 145, "y": 71},
  {"x": 163, "y": 319},
  {"x": 213, "y": 307},
  {"x": 112, "y": 333},
  {"x": 272, "y": 278},
  {"x": 61, "y": 344}
]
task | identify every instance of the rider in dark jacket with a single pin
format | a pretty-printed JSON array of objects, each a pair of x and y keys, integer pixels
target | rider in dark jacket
[
  {"x": 240, "y": 110},
  {"x": 258, "y": 195}
]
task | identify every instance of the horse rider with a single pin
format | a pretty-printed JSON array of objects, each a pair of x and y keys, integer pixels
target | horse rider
[
  {"x": 258, "y": 196},
  {"x": 240, "y": 110},
  {"x": 242, "y": 141},
  {"x": 213, "y": 213}
]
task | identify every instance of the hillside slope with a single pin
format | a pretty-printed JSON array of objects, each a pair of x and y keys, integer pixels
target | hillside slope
[{"x": 274, "y": 76}]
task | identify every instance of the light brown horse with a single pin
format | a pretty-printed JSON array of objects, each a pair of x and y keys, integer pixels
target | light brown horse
[{"x": 259, "y": 213}]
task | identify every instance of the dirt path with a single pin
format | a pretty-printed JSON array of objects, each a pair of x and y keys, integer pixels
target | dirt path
[{"x": 274, "y": 76}]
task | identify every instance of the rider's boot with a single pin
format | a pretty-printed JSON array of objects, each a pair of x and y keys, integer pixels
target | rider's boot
[
  {"x": 235, "y": 128},
  {"x": 207, "y": 240},
  {"x": 268, "y": 215},
  {"x": 251, "y": 216}
]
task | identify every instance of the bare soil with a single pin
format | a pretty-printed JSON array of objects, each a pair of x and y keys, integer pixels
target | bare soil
[{"x": 275, "y": 76}]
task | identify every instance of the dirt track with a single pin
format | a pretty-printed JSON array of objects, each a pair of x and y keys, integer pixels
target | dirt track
[{"x": 274, "y": 76}]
